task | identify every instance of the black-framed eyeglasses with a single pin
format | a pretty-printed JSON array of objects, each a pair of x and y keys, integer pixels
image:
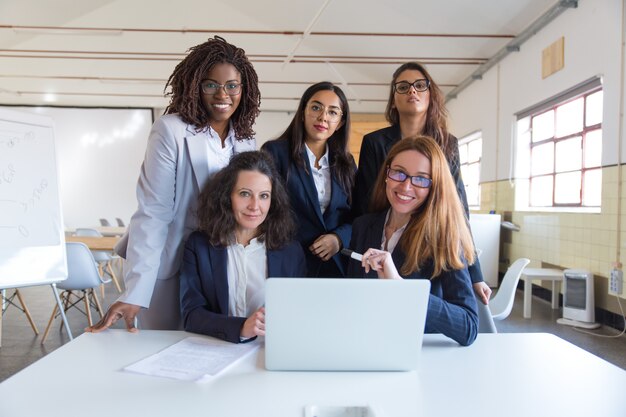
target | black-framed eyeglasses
[
  {"x": 403, "y": 87},
  {"x": 314, "y": 109},
  {"x": 416, "y": 180},
  {"x": 230, "y": 88}
]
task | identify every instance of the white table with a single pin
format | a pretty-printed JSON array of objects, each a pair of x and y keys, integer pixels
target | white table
[
  {"x": 540, "y": 274},
  {"x": 499, "y": 375}
]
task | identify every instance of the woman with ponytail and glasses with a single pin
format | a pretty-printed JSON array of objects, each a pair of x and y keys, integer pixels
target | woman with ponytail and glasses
[{"x": 415, "y": 107}]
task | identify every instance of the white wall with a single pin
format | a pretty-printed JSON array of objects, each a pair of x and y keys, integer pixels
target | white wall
[
  {"x": 593, "y": 34},
  {"x": 269, "y": 125}
]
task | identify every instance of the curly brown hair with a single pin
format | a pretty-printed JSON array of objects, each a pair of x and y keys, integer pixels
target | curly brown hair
[
  {"x": 186, "y": 93},
  {"x": 215, "y": 210}
]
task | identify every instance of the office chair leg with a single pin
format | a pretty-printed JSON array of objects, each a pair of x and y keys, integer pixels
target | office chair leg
[
  {"x": 114, "y": 277},
  {"x": 26, "y": 311},
  {"x": 87, "y": 307},
  {"x": 97, "y": 302},
  {"x": 45, "y": 335}
]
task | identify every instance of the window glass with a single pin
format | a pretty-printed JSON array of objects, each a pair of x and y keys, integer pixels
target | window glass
[
  {"x": 474, "y": 150},
  {"x": 569, "y": 154},
  {"x": 541, "y": 191},
  {"x": 593, "y": 114},
  {"x": 592, "y": 188},
  {"x": 569, "y": 118},
  {"x": 542, "y": 159},
  {"x": 593, "y": 148},
  {"x": 470, "y": 152},
  {"x": 559, "y": 151},
  {"x": 543, "y": 126},
  {"x": 567, "y": 188}
]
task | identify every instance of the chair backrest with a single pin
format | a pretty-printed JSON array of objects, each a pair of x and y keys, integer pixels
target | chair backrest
[
  {"x": 120, "y": 222},
  {"x": 485, "y": 320},
  {"x": 82, "y": 272},
  {"x": 104, "y": 222},
  {"x": 502, "y": 303},
  {"x": 99, "y": 255}
]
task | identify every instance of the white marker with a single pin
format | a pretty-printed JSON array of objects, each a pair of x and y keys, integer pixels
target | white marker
[{"x": 352, "y": 254}]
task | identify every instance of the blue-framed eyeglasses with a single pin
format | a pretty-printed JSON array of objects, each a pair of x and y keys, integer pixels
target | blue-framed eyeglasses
[{"x": 416, "y": 180}]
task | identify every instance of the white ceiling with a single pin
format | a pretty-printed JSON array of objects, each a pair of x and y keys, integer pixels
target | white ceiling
[{"x": 51, "y": 52}]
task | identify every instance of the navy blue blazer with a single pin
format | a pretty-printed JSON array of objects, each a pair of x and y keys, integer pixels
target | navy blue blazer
[
  {"x": 452, "y": 306},
  {"x": 204, "y": 285},
  {"x": 311, "y": 222},
  {"x": 374, "y": 150}
]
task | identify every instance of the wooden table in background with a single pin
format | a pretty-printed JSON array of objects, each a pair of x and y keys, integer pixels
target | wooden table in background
[{"x": 95, "y": 243}]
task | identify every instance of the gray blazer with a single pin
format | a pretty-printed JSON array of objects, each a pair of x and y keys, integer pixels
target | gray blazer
[{"x": 173, "y": 173}]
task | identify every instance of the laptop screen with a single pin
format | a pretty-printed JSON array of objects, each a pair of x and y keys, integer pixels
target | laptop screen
[{"x": 344, "y": 324}]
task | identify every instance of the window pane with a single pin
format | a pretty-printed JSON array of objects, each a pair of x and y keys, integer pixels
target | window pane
[
  {"x": 567, "y": 188},
  {"x": 463, "y": 154},
  {"x": 541, "y": 191},
  {"x": 592, "y": 191},
  {"x": 543, "y": 126},
  {"x": 569, "y": 118},
  {"x": 471, "y": 178},
  {"x": 542, "y": 159},
  {"x": 569, "y": 155},
  {"x": 593, "y": 148},
  {"x": 594, "y": 109},
  {"x": 474, "y": 150}
]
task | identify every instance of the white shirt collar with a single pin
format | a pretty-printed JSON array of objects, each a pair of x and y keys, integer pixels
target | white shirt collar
[{"x": 323, "y": 162}]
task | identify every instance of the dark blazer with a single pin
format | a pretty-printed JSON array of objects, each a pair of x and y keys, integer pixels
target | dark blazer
[
  {"x": 204, "y": 285},
  {"x": 374, "y": 150},
  {"x": 311, "y": 222},
  {"x": 452, "y": 306}
]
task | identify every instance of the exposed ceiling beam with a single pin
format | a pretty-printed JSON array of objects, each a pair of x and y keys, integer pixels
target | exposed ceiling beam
[
  {"x": 73, "y": 30},
  {"x": 515, "y": 44}
]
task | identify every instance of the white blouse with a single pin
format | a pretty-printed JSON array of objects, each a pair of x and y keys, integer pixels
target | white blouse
[
  {"x": 321, "y": 177},
  {"x": 247, "y": 271}
]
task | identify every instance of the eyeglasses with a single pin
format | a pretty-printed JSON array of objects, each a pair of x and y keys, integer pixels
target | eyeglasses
[
  {"x": 316, "y": 109},
  {"x": 416, "y": 180},
  {"x": 403, "y": 87},
  {"x": 211, "y": 87}
]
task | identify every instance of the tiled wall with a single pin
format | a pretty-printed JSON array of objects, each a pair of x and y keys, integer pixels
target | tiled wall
[{"x": 569, "y": 240}]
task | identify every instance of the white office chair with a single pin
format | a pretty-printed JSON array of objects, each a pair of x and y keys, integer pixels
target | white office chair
[
  {"x": 502, "y": 303},
  {"x": 485, "y": 320},
  {"x": 82, "y": 279},
  {"x": 102, "y": 257}
]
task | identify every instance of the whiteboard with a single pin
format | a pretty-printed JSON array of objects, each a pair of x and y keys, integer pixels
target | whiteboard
[
  {"x": 32, "y": 243},
  {"x": 99, "y": 155}
]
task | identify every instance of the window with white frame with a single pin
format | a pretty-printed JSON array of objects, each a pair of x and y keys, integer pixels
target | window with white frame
[
  {"x": 560, "y": 149},
  {"x": 470, "y": 153}
]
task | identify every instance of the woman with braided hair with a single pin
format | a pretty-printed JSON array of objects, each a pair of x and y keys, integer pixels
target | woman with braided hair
[{"x": 214, "y": 101}]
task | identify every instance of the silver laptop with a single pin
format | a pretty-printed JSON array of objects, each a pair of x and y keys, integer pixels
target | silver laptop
[{"x": 327, "y": 324}]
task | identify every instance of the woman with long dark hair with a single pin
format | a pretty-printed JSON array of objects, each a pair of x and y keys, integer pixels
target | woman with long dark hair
[{"x": 313, "y": 158}]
